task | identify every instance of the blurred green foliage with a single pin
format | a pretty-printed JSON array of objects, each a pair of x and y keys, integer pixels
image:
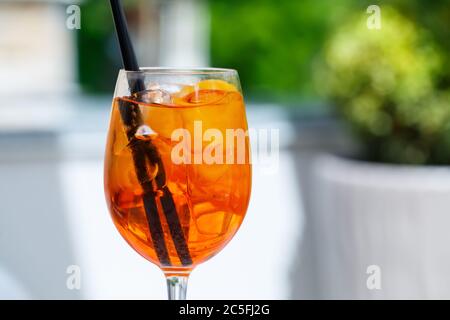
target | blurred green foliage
[
  {"x": 392, "y": 86},
  {"x": 271, "y": 43},
  {"x": 274, "y": 44}
]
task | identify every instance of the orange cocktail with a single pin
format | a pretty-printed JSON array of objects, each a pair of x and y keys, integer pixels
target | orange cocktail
[{"x": 198, "y": 170}]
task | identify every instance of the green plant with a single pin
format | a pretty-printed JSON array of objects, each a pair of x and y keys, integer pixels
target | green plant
[
  {"x": 387, "y": 84},
  {"x": 271, "y": 43}
]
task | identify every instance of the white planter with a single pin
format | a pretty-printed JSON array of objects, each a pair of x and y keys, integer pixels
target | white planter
[{"x": 359, "y": 214}]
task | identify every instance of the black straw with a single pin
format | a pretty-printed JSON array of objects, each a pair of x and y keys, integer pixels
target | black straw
[
  {"x": 144, "y": 150},
  {"x": 128, "y": 57},
  {"x": 129, "y": 60}
]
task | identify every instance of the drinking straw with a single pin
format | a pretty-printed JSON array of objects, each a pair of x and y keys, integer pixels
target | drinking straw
[{"x": 145, "y": 150}]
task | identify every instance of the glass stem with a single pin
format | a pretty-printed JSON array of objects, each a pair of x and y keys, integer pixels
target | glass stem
[{"x": 176, "y": 287}]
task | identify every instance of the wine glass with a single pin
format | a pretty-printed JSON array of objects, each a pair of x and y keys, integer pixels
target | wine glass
[{"x": 177, "y": 166}]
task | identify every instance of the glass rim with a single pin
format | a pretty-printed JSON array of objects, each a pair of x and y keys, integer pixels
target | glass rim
[{"x": 180, "y": 71}]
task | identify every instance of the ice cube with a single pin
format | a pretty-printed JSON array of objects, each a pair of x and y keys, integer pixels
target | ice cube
[
  {"x": 137, "y": 223},
  {"x": 209, "y": 220},
  {"x": 144, "y": 132},
  {"x": 215, "y": 110},
  {"x": 163, "y": 120},
  {"x": 154, "y": 95}
]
